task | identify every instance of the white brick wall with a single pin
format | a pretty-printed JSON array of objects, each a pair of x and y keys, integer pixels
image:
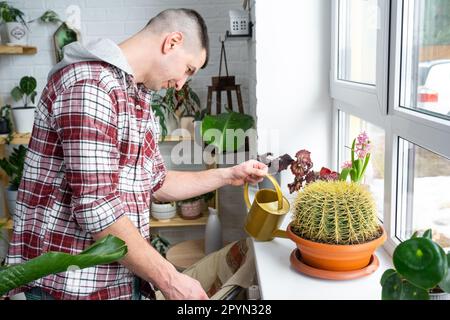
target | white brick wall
[{"x": 119, "y": 19}]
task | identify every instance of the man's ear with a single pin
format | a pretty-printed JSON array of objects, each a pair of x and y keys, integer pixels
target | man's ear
[{"x": 173, "y": 40}]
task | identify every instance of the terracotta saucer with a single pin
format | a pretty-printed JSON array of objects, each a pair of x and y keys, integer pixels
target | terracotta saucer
[{"x": 299, "y": 265}]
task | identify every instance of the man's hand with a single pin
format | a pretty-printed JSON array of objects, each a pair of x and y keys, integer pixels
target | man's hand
[
  {"x": 251, "y": 171},
  {"x": 184, "y": 288}
]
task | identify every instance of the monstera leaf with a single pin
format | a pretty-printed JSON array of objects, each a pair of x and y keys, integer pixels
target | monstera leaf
[
  {"x": 106, "y": 250},
  {"x": 226, "y": 130}
]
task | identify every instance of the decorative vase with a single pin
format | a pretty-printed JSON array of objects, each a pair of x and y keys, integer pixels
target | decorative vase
[
  {"x": 191, "y": 210},
  {"x": 23, "y": 119},
  {"x": 213, "y": 232}
]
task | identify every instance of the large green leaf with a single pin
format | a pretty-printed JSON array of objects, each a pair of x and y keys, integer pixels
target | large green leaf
[
  {"x": 106, "y": 250},
  {"x": 222, "y": 130},
  {"x": 28, "y": 85},
  {"x": 396, "y": 288},
  {"x": 421, "y": 261},
  {"x": 386, "y": 275},
  {"x": 392, "y": 286}
]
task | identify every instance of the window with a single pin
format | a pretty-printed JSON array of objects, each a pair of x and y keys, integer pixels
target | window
[
  {"x": 391, "y": 78},
  {"x": 426, "y": 57},
  {"x": 350, "y": 127},
  {"x": 423, "y": 193},
  {"x": 357, "y": 40}
]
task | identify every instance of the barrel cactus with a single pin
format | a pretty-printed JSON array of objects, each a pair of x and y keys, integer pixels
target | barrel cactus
[{"x": 335, "y": 212}]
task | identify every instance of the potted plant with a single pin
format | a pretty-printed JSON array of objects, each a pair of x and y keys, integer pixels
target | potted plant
[
  {"x": 163, "y": 211},
  {"x": 192, "y": 208},
  {"x": 24, "y": 115},
  {"x": 13, "y": 166},
  {"x": 16, "y": 26},
  {"x": 422, "y": 271},
  {"x": 334, "y": 224}
]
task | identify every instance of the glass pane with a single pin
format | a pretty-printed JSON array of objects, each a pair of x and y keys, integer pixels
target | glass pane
[
  {"x": 351, "y": 127},
  {"x": 357, "y": 41},
  {"x": 426, "y": 57},
  {"x": 423, "y": 199}
]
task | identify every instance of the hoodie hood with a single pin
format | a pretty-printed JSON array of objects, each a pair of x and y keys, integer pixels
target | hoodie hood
[{"x": 98, "y": 50}]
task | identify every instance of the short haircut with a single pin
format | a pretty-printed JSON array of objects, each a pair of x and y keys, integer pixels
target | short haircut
[{"x": 187, "y": 21}]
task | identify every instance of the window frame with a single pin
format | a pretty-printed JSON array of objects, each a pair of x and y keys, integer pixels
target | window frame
[{"x": 380, "y": 105}]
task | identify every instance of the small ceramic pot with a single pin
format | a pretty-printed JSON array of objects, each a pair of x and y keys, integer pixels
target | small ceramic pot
[
  {"x": 164, "y": 211},
  {"x": 23, "y": 119},
  {"x": 17, "y": 33},
  {"x": 191, "y": 210}
]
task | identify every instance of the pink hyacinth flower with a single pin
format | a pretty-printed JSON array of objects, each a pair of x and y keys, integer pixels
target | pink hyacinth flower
[{"x": 346, "y": 165}]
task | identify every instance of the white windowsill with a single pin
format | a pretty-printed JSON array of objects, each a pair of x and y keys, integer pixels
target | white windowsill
[{"x": 279, "y": 281}]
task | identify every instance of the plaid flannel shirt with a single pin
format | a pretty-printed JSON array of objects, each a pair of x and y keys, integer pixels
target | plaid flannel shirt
[{"x": 93, "y": 157}]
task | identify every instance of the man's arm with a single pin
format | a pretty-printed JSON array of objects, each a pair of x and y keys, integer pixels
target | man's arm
[
  {"x": 179, "y": 185},
  {"x": 143, "y": 260}
]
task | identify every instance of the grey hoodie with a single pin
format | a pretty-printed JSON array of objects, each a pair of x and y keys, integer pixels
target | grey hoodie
[{"x": 96, "y": 50}]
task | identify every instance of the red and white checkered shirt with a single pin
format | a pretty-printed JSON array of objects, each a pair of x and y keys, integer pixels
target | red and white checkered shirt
[{"x": 93, "y": 157}]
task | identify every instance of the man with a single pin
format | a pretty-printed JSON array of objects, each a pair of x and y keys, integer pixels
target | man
[{"x": 93, "y": 162}]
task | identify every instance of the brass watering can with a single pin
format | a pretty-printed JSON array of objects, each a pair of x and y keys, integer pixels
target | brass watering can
[{"x": 266, "y": 213}]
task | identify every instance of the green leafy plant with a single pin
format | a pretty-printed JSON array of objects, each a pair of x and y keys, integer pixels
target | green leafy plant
[
  {"x": 25, "y": 90},
  {"x": 48, "y": 16},
  {"x": 9, "y": 13},
  {"x": 421, "y": 266},
  {"x": 223, "y": 130},
  {"x": 335, "y": 212},
  {"x": 13, "y": 166},
  {"x": 160, "y": 243},
  {"x": 184, "y": 102},
  {"x": 106, "y": 250}
]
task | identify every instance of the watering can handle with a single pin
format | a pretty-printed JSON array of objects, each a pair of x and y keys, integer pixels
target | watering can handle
[{"x": 277, "y": 189}]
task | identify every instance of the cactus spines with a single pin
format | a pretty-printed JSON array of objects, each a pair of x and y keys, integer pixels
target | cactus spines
[{"x": 335, "y": 212}]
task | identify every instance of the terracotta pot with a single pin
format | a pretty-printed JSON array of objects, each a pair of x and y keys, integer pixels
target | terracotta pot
[{"x": 336, "y": 257}]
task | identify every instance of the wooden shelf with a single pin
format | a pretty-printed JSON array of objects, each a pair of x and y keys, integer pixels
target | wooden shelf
[
  {"x": 18, "y": 138},
  {"x": 24, "y": 138},
  {"x": 4, "y": 49},
  {"x": 9, "y": 223},
  {"x": 180, "y": 222}
]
